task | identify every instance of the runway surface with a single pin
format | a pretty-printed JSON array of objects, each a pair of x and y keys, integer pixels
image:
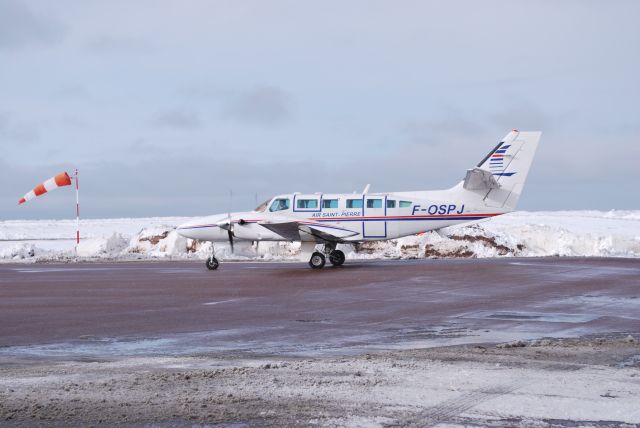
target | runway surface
[{"x": 177, "y": 308}]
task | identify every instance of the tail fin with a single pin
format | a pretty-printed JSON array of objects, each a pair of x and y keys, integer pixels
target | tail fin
[{"x": 502, "y": 173}]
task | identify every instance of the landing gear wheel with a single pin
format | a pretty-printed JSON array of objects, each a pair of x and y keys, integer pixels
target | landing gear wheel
[
  {"x": 212, "y": 263},
  {"x": 317, "y": 260},
  {"x": 336, "y": 257}
]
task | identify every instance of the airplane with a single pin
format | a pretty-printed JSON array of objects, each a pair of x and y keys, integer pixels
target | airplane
[{"x": 320, "y": 221}]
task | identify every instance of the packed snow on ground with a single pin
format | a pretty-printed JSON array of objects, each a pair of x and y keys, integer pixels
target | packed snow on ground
[
  {"x": 524, "y": 234},
  {"x": 543, "y": 383}
]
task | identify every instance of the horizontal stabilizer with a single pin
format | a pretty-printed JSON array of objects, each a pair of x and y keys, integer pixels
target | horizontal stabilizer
[{"x": 480, "y": 179}]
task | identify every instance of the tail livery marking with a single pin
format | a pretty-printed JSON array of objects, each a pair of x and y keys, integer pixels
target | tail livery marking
[{"x": 496, "y": 162}]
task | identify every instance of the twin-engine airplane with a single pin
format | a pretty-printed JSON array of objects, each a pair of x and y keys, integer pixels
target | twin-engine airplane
[{"x": 491, "y": 188}]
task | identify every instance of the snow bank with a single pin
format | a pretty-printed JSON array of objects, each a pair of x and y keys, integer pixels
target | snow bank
[{"x": 524, "y": 234}]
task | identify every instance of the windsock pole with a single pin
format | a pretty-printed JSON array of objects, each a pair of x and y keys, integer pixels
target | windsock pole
[{"x": 77, "y": 212}]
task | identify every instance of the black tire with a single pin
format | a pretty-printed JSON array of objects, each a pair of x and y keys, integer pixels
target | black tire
[
  {"x": 336, "y": 257},
  {"x": 212, "y": 263},
  {"x": 317, "y": 260}
]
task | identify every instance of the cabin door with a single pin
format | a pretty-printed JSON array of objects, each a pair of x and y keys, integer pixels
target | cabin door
[{"x": 374, "y": 224}]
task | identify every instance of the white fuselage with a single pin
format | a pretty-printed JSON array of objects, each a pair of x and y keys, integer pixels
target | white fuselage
[{"x": 366, "y": 217}]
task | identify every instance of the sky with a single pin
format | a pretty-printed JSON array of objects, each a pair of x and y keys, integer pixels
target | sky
[{"x": 197, "y": 107}]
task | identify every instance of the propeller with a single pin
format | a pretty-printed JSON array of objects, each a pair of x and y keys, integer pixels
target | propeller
[
  {"x": 230, "y": 223},
  {"x": 228, "y": 226},
  {"x": 230, "y": 233}
]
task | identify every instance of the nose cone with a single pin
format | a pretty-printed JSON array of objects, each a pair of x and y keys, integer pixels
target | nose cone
[
  {"x": 190, "y": 229},
  {"x": 204, "y": 229}
]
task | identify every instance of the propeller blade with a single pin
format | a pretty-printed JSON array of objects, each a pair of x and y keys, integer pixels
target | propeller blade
[{"x": 230, "y": 233}]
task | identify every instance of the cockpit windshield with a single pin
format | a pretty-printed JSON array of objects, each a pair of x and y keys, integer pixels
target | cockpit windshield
[
  {"x": 262, "y": 207},
  {"x": 279, "y": 204}
]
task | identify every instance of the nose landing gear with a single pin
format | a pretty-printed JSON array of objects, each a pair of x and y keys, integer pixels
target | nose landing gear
[{"x": 212, "y": 263}]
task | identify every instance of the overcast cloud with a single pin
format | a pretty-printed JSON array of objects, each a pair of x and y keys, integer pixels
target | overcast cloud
[
  {"x": 166, "y": 106},
  {"x": 262, "y": 105},
  {"x": 22, "y": 26}
]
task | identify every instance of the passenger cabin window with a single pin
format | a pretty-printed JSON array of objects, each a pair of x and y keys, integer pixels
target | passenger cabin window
[
  {"x": 405, "y": 204},
  {"x": 354, "y": 203},
  {"x": 279, "y": 204},
  {"x": 391, "y": 203},
  {"x": 374, "y": 203},
  {"x": 306, "y": 204},
  {"x": 329, "y": 203}
]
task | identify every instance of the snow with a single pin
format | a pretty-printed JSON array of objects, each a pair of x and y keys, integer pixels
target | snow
[
  {"x": 557, "y": 384},
  {"x": 523, "y": 234}
]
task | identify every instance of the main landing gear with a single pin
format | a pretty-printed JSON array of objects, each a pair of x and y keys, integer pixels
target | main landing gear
[
  {"x": 318, "y": 260},
  {"x": 336, "y": 257}
]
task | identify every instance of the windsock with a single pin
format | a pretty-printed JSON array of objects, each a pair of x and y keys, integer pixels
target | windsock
[{"x": 59, "y": 180}]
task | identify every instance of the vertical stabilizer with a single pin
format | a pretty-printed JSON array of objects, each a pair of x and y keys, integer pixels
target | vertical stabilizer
[
  {"x": 509, "y": 163},
  {"x": 496, "y": 182}
]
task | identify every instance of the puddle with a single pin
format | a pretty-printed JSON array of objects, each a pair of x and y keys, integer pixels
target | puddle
[
  {"x": 531, "y": 316},
  {"x": 601, "y": 300},
  {"x": 63, "y": 269},
  {"x": 220, "y": 302},
  {"x": 88, "y": 347},
  {"x": 69, "y": 268},
  {"x": 179, "y": 344},
  {"x": 180, "y": 270}
]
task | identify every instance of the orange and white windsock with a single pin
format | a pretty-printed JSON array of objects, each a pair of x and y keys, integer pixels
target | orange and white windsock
[{"x": 59, "y": 180}]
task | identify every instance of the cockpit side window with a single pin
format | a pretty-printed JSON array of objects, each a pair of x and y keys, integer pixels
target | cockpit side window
[{"x": 279, "y": 204}]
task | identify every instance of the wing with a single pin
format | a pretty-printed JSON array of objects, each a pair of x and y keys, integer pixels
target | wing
[
  {"x": 325, "y": 232},
  {"x": 290, "y": 230}
]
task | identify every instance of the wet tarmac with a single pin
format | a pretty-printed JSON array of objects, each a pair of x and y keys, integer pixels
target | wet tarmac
[{"x": 180, "y": 308}]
